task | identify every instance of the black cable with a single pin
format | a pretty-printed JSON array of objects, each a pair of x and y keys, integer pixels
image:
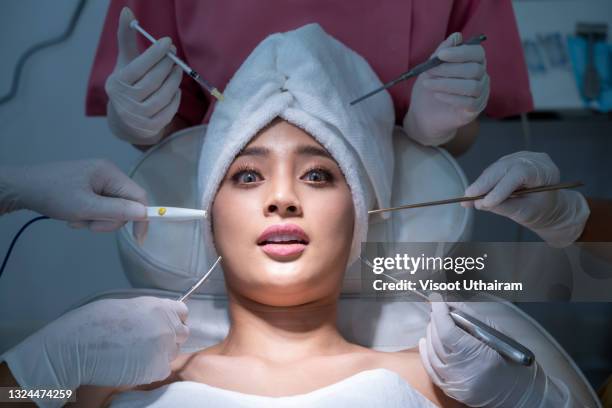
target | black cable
[
  {"x": 37, "y": 47},
  {"x": 8, "y": 253},
  {"x": 13, "y": 91}
]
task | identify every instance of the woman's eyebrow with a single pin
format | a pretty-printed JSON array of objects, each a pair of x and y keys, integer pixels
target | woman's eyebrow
[
  {"x": 254, "y": 151},
  {"x": 306, "y": 150},
  {"x": 310, "y": 150}
]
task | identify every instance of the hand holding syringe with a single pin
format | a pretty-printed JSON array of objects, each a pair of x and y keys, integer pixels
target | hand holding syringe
[
  {"x": 143, "y": 90},
  {"x": 188, "y": 70}
]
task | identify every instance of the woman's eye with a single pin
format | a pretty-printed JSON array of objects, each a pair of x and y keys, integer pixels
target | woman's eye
[
  {"x": 246, "y": 177},
  {"x": 318, "y": 176}
]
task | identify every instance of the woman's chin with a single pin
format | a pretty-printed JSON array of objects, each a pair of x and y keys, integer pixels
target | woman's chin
[
  {"x": 285, "y": 284},
  {"x": 287, "y": 275}
]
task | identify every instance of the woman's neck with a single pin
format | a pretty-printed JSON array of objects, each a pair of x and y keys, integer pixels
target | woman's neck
[{"x": 283, "y": 334}]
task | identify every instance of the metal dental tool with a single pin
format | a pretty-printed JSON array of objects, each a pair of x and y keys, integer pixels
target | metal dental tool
[
  {"x": 174, "y": 214},
  {"x": 199, "y": 283},
  {"x": 517, "y": 193},
  {"x": 504, "y": 345},
  {"x": 192, "y": 73},
  {"x": 427, "y": 65}
]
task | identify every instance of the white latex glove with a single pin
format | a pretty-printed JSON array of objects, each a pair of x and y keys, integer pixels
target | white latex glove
[
  {"x": 111, "y": 342},
  {"x": 473, "y": 373},
  {"x": 558, "y": 217},
  {"x": 86, "y": 193},
  {"x": 450, "y": 95},
  {"x": 143, "y": 90}
]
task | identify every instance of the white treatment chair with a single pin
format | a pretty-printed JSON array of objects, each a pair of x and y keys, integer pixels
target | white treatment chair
[{"x": 169, "y": 258}]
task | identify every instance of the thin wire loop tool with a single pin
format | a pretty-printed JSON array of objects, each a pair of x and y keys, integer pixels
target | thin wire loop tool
[{"x": 199, "y": 283}]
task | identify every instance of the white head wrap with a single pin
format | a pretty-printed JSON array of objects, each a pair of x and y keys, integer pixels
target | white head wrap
[{"x": 308, "y": 78}]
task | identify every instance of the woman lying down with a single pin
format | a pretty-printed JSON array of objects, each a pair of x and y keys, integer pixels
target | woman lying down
[{"x": 288, "y": 170}]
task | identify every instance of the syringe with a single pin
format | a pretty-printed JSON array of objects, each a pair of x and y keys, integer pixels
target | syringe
[{"x": 192, "y": 73}]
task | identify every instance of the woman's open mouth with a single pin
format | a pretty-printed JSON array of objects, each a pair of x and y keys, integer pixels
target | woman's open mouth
[{"x": 283, "y": 240}]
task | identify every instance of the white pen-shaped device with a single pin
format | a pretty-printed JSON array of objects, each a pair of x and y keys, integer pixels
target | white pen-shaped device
[
  {"x": 175, "y": 214},
  {"x": 188, "y": 70}
]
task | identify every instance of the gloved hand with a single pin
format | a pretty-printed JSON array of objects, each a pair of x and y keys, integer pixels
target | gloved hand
[
  {"x": 110, "y": 342},
  {"x": 143, "y": 90},
  {"x": 87, "y": 193},
  {"x": 473, "y": 373},
  {"x": 558, "y": 217},
  {"x": 450, "y": 95}
]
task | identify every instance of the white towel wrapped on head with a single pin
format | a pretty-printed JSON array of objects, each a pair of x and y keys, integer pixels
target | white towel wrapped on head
[{"x": 308, "y": 78}]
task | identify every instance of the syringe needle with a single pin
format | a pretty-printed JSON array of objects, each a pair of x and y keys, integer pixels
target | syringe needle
[{"x": 192, "y": 73}]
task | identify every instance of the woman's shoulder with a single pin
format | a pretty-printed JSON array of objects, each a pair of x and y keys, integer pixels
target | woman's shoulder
[{"x": 406, "y": 363}]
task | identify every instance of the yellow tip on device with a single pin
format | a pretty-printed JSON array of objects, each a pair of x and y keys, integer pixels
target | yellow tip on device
[
  {"x": 215, "y": 92},
  {"x": 174, "y": 214}
]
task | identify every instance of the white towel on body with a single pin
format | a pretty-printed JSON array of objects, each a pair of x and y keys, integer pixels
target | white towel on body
[{"x": 372, "y": 388}]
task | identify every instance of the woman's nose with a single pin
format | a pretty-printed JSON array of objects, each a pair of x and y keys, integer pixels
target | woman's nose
[
  {"x": 283, "y": 209},
  {"x": 283, "y": 201}
]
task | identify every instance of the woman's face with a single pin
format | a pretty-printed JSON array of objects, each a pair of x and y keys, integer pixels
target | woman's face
[{"x": 283, "y": 219}]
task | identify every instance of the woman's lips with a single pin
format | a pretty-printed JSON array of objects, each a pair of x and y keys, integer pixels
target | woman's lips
[
  {"x": 283, "y": 241},
  {"x": 283, "y": 250}
]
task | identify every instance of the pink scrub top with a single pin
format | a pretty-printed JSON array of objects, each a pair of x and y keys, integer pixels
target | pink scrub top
[{"x": 215, "y": 36}]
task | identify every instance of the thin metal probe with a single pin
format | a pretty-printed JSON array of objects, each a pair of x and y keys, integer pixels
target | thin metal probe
[
  {"x": 199, "y": 283},
  {"x": 427, "y": 65},
  {"x": 498, "y": 341},
  {"x": 191, "y": 72},
  {"x": 517, "y": 193}
]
